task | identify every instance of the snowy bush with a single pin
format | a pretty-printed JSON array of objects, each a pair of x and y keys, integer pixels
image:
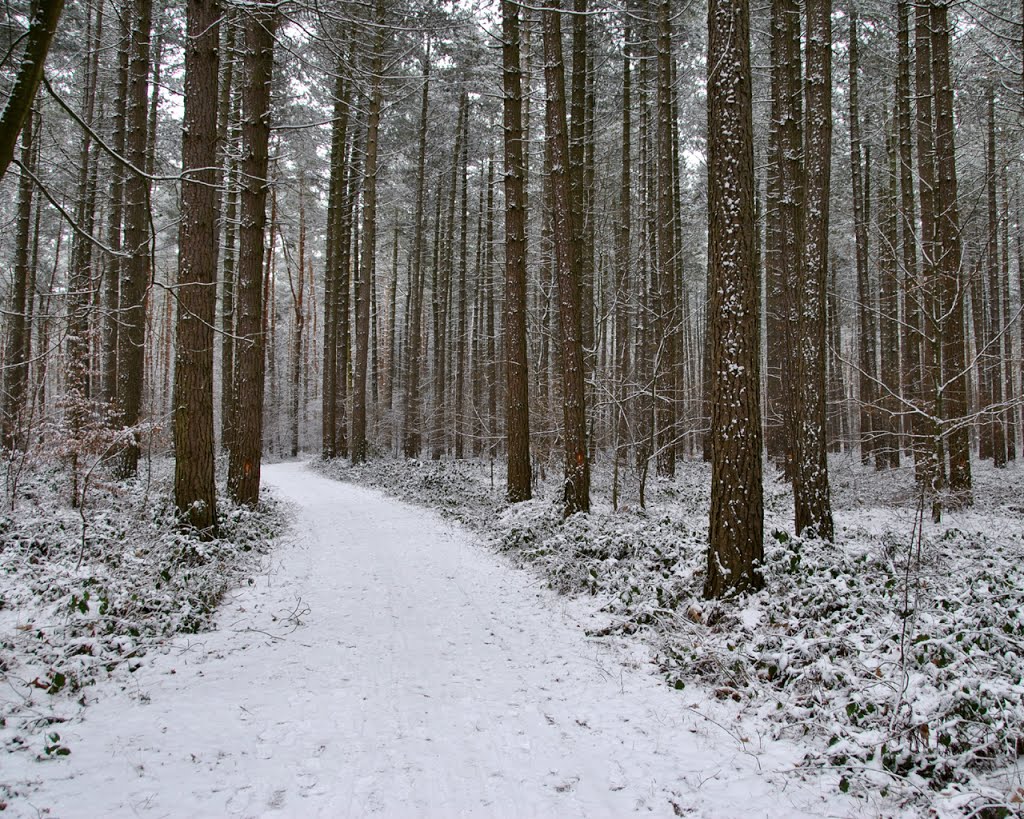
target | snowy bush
[{"x": 87, "y": 592}]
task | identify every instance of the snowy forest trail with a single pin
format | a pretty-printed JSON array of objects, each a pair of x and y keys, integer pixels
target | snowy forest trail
[{"x": 388, "y": 665}]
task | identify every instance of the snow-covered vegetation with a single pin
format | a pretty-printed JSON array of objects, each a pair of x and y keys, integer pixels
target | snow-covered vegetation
[
  {"x": 86, "y": 593},
  {"x": 896, "y": 654}
]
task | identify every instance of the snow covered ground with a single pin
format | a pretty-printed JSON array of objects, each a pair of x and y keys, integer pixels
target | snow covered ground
[{"x": 387, "y": 664}]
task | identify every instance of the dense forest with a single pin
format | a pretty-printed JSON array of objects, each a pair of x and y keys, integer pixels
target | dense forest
[
  {"x": 625, "y": 235},
  {"x": 758, "y": 265}
]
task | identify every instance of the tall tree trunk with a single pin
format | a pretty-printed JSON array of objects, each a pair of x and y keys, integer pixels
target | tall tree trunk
[
  {"x": 391, "y": 303},
  {"x": 934, "y": 471},
  {"x": 953, "y": 402},
  {"x": 195, "y": 492},
  {"x": 461, "y": 332},
  {"x": 775, "y": 307},
  {"x": 244, "y": 461},
  {"x": 736, "y": 533},
  {"x": 411, "y": 427},
  {"x": 490, "y": 352},
  {"x": 912, "y": 337},
  {"x": 783, "y": 293},
  {"x": 992, "y": 355},
  {"x": 115, "y": 217},
  {"x": 335, "y": 253},
  {"x": 812, "y": 495},
  {"x": 860, "y": 175},
  {"x": 271, "y": 413},
  {"x": 1010, "y": 411},
  {"x": 581, "y": 193},
  {"x": 228, "y": 128},
  {"x": 887, "y": 449},
  {"x": 297, "y": 284},
  {"x": 517, "y": 409},
  {"x": 666, "y": 320},
  {"x": 363, "y": 296},
  {"x": 838, "y": 420},
  {"x": 623, "y": 264},
  {"x": 135, "y": 272},
  {"x": 349, "y": 258},
  {"x": 567, "y": 249},
  {"x": 13, "y": 432},
  {"x": 79, "y": 296}
]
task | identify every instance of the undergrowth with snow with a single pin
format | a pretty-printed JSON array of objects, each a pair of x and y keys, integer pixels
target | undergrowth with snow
[
  {"x": 896, "y": 654},
  {"x": 86, "y": 593}
]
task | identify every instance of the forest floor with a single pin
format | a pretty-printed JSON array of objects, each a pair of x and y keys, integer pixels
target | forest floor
[
  {"x": 384, "y": 662},
  {"x": 893, "y": 657}
]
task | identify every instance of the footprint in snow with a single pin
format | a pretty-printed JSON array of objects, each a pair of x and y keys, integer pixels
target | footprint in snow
[{"x": 239, "y": 800}]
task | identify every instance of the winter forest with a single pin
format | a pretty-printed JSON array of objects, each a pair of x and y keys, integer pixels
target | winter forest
[{"x": 347, "y": 340}]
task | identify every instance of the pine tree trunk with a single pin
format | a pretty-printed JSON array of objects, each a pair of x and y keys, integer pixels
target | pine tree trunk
[
  {"x": 567, "y": 250},
  {"x": 244, "y": 461},
  {"x": 349, "y": 248},
  {"x": 992, "y": 355},
  {"x": 934, "y": 471},
  {"x": 194, "y": 488},
  {"x": 1010, "y": 411},
  {"x": 412, "y": 442},
  {"x": 335, "y": 253},
  {"x": 369, "y": 247},
  {"x": 860, "y": 175},
  {"x": 135, "y": 271},
  {"x": 298, "y": 288},
  {"x": 783, "y": 293},
  {"x": 79, "y": 294},
  {"x": 13, "y": 433},
  {"x": 812, "y": 495},
  {"x": 623, "y": 264},
  {"x": 735, "y": 537},
  {"x": 461, "y": 332},
  {"x": 666, "y": 320},
  {"x": 953, "y": 401},
  {"x": 115, "y": 216},
  {"x": 490, "y": 352},
  {"x": 228, "y": 139},
  {"x": 887, "y": 450},
  {"x": 913, "y": 295},
  {"x": 517, "y": 409}
]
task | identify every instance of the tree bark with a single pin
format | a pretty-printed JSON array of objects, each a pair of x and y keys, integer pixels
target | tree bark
[
  {"x": 933, "y": 472},
  {"x": 992, "y": 354},
  {"x": 666, "y": 320},
  {"x": 866, "y": 329},
  {"x": 517, "y": 409},
  {"x": 194, "y": 488},
  {"x": 369, "y": 247},
  {"x": 135, "y": 272},
  {"x": 812, "y": 495},
  {"x": 953, "y": 402},
  {"x": 13, "y": 434},
  {"x": 576, "y": 494},
  {"x": 244, "y": 461},
  {"x": 412, "y": 442},
  {"x": 736, "y": 532},
  {"x": 887, "y": 448}
]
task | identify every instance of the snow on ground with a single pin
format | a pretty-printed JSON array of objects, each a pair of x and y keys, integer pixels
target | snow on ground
[
  {"x": 388, "y": 665},
  {"x": 893, "y": 656}
]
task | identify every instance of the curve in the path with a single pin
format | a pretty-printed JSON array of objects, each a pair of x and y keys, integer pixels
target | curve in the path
[{"x": 387, "y": 665}]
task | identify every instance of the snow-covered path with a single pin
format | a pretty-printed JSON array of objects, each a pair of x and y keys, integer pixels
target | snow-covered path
[{"x": 388, "y": 665}]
